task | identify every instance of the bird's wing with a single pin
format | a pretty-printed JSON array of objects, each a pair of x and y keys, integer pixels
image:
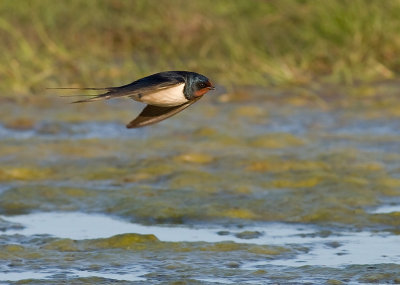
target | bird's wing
[
  {"x": 154, "y": 114},
  {"x": 143, "y": 86}
]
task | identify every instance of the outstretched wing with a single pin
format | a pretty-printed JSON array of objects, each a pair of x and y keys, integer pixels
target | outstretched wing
[{"x": 154, "y": 114}]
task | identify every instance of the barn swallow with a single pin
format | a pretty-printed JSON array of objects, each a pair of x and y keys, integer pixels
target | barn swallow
[{"x": 165, "y": 93}]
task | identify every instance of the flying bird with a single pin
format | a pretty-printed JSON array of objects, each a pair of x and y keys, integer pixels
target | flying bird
[{"x": 165, "y": 93}]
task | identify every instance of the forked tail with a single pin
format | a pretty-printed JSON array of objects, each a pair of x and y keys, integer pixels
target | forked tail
[{"x": 103, "y": 96}]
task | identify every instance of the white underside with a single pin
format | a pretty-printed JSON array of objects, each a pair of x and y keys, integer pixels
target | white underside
[{"x": 165, "y": 98}]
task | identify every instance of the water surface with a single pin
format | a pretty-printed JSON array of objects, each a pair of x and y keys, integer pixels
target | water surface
[{"x": 255, "y": 186}]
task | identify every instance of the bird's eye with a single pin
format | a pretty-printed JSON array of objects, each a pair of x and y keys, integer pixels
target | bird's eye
[{"x": 202, "y": 85}]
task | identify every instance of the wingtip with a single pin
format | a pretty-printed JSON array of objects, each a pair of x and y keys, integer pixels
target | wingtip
[{"x": 134, "y": 125}]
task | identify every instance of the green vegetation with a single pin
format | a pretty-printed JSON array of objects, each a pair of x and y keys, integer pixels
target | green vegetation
[{"x": 109, "y": 42}]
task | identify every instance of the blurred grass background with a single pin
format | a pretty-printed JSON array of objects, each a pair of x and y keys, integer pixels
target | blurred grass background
[{"x": 46, "y": 43}]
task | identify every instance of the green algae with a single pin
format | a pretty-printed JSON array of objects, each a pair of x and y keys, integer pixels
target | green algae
[
  {"x": 139, "y": 242},
  {"x": 276, "y": 140},
  {"x": 195, "y": 179},
  {"x": 15, "y": 252},
  {"x": 24, "y": 173},
  {"x": 207, "y": 197},
  {"x": 230, "y": 246},
  {"x": 198, "y": 158},
  {"x": 204, "y": 200},
  {"x": 248, "y": 234},
  {"x": 272, "y": 164},
  {"x": 237, "y": 213},
  {"x": 303, "y": 183},
  {"x": 23, "y": 199},
  {"x": 155, "y": 167},
  {"x": 62, "y": 245},
  {"x": 125, "y": 241}
]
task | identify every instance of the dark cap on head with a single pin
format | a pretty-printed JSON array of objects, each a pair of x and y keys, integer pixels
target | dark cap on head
[{"x": 196, "y": 85}]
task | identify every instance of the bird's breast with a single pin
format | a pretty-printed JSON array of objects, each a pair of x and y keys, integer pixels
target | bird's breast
[{"x": 168, "y": 97}]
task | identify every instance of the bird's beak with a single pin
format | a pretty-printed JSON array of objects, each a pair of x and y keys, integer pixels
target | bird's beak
[{"x": 211, "y": 87}]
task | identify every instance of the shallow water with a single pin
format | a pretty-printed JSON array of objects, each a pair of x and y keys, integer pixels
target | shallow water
[
  {"x": 258, "y": 186},
  {"x": 333, "y": 248}
]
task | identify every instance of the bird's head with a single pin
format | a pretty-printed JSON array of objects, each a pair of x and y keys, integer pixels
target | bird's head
[{"x": 197, "y": 85}]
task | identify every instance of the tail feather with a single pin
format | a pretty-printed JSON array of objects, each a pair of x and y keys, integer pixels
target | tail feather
[
  {"x": 104, "y": 96},
  {"x": 111, "y": 92},
  {"x": 81, "y": 88}
]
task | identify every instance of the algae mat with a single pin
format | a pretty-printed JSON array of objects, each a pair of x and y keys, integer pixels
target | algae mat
[{"x": 256, "y": 186}]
